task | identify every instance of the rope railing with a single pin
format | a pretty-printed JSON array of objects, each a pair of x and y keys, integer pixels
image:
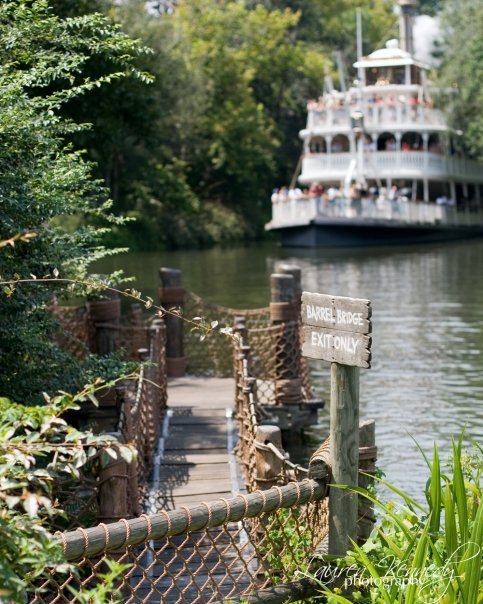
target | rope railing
[
  {"x": 251, "y": 416},
  {"x": 274, "y": 335},
  {"x": 115, "y": 536},
  {"x": 142, "y": 410},
  {"x": 131, "y": 411},
  {"x": 211, "y": 356},
  {"x": 209, "y": 552}
]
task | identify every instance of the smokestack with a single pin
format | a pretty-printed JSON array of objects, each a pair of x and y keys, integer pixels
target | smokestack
[{"x": 408, "y": 11}]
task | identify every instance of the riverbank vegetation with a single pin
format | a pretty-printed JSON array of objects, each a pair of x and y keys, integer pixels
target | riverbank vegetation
[
  {"x": 424, "y": 553},
  {"x": 45, "y": 182}
]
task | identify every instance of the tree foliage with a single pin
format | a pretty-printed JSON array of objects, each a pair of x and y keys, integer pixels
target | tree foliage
[
  {"x": 462, "y": 70},
  {"x": 44, "y": 181}
]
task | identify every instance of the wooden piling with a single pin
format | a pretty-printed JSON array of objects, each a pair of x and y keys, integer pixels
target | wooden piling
[
  {"x": 157, "y": 335},
  {"x": 171, "y": 295},
  {"x": 284, "y": 311},
  {"x": 138, "y": 337},
  {"x": 113, "y": 499},
  {"x": 367, "y": 458},
  {"x": 344, "y": 439},
  {"x": 319, "y": 463},
  {"x": 104, "y": 315},
  {"x": 269, "y": 465},
  {"x": 284, "y": 268},
  {"x": 127, "y": 435}
]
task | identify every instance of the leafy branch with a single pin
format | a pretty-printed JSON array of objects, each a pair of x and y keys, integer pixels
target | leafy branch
[{"x": 91, "y": 286}]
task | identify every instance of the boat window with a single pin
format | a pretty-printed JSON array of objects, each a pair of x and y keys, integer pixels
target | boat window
[
  {"x": 415, "y": 75},
  {"x": 386, "y": 142},
  {"x": 317, "y": 145},
  {"x": 340, "y": 144},
  {"x": 411, "y": 141},
  {"x": 435, "y": 144}
]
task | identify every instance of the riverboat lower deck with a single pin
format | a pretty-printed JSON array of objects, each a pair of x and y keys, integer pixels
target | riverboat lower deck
[{"x": 308, "y": 222}]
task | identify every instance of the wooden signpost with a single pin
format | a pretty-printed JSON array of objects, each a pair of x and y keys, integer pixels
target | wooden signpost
[{"x": 336, "y": 329}]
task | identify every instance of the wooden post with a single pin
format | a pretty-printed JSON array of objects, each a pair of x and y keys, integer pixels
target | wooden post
[
  {"x": 239, "y": 329},
  {"x": 171, "y": 295},
  {"x": 367, "y": 458},
  {"x": 113, "y": 501},
  {"x": 268, "y": 464},
  {"x": 296, "y": 272},
  {"x": 104, "y": 315},
  {"x": 284, "y": 309},
  {"x": 344, "y": 439},
  {"x": 157, "y": 334},
  {"x": 319, "y": 463},
  {"x": 127, "y": 435},
  {"x": 138, "y": 336}
]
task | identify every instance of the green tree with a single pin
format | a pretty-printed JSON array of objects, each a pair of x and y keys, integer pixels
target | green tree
[
  {"x": 253, "y": 77},
  {"x": 462, "y": 71},
  {"x": 218, "y": 125},
  {"x": 44, "y": 183},
  {"x": 331, "y": 24}
]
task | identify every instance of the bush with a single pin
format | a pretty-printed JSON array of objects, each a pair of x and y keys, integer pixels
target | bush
[{"x": 37, "y": 449}]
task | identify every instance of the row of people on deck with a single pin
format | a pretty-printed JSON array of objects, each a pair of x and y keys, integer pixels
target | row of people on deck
[
  {"x": 315, "y": 191},
  {"x": 329, "y": 198},
  {"x": 333, "y": 194},
  {"x": 375, "y": 100}
]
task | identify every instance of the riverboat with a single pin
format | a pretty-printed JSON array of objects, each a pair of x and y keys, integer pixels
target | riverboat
[{"x": 380, "y": 165}]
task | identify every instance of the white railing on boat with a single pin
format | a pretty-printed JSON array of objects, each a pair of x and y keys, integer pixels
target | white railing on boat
[
  {"x": 390, "y": 164},
  {"x": 377, "y": 116},
  {"x": 301, "y": 211}
]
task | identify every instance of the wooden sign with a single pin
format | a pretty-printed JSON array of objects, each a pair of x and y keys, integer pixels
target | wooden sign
[{"x": 336, "y": 329}]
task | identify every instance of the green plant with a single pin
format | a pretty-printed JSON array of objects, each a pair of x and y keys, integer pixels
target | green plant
[
  {"x": 287, "y": 544},
  {"x": 422, "y": 554},
  {"x": 45, "y": 64},
  {"x": 37, "y": 449}
]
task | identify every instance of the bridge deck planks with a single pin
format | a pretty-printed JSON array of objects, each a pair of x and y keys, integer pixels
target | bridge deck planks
[
  {"x": 194, "y": 468},
  {"x": 195, "y": 464}
]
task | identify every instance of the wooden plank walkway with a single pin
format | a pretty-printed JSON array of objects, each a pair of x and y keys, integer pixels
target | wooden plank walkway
[{"x": 197, "y": 462}]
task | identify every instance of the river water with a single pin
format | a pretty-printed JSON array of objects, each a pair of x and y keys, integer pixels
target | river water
[{"x": 426, "y": 380}]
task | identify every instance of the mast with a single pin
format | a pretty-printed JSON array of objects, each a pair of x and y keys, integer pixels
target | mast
[
  {"x": 406, "y": 17},
  {"x": 360, "y": 71}
]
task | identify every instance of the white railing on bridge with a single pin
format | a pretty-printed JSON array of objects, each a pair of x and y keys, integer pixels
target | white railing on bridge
[{"x": 301, "y": 211}]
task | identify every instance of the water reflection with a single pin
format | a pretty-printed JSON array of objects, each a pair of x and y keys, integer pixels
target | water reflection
[{"x": 426, "y": 378}]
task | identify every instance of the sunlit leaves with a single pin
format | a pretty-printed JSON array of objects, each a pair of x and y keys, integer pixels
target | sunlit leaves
[{"x": 409, "y": 557}]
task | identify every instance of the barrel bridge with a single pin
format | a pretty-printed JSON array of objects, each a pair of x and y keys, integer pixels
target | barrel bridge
[{"x": 212, "y": 509}]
